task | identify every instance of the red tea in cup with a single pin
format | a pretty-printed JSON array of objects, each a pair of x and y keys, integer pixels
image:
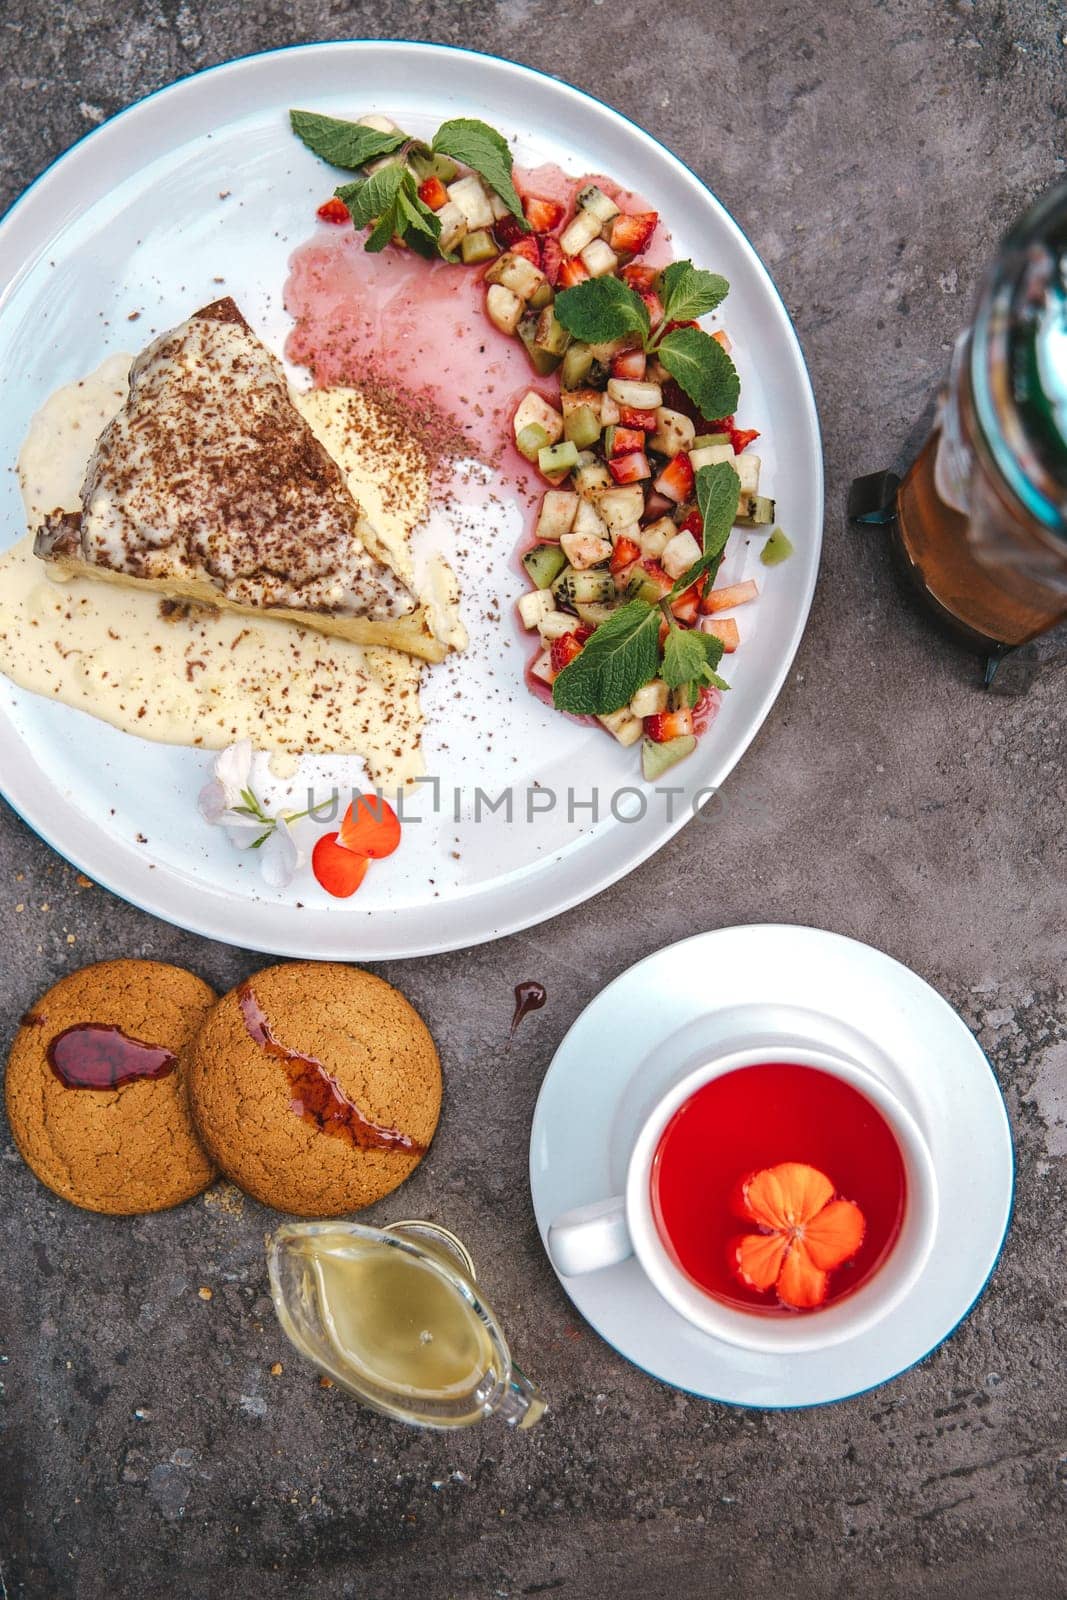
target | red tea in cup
[{"x": 778, "y": 1188}]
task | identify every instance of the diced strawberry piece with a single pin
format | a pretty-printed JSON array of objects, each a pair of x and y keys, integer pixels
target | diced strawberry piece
[
  {"x": 624, "y": 440},
  {"x": 631, "y": 417},
  {"x": 508, "y": 229},
  {"x": 624, "y": 554},
  {"x": 707, "y": 705},
  {"x": 433, "y": 193},
  {"x": 583, "y": 634},
  {"x": 631, "y": 468},
  {"x": 656, "y": 506},
  {"x": 629, "y": 364},
  {"x": 542, "y": 215},
  {"x": 660, "y": 578},
  {"x": 687, "y": 605},
  {"x": 572, "y": 271},
  {"x": 529, "y": 247},
  {"x": 639, "y": 277},
  {"x": 333, "y": 210},
  {"x": 654, "y": 306},
  {"x": 731, "y": 594},
  {"x": 551, "y": 258},
  {"x": 672, "y": 325},
  {"x": 676, "y": 479},
  {"x": 741, "y": 438},
  {"x": 716, "y": 424},
  {"x": 723, "y": 338},
  {"x": 694, "y": 524},
  {"x": 630, "y": 234},
  {"x": 564, "y": 650},
  {"x": 724, "y": 628},
  {"x": 664, "y": 725},
  {"x": 340, "y": 871}
]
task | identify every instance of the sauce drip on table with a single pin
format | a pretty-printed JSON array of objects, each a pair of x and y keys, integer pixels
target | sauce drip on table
[
  {"x": 97, "y": 1055},
  {"x": 317, "y": 1096},
  {"x": 529, "y": 996}
]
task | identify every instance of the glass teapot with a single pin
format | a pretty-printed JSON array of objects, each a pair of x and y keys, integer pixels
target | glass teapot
[{"x": 393, "y": 1316}]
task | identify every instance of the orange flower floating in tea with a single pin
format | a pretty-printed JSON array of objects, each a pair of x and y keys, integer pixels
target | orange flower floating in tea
[{"x": 806, "y": 1232}]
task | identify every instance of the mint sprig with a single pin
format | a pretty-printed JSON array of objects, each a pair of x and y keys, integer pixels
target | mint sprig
[
  {"x": 486, "y": 152},
  {"x": 603, "y": 309},
  {"x": 718, "y": 495},
  {"x": 389, "y": 199},
  {"x": 622, "y": 655},
  {"x": 689, "y": 661},
  {"x": 343, "y": 144}
]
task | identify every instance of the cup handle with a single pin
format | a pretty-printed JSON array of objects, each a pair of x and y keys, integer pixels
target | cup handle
[{"x": 590, "y": 1237}]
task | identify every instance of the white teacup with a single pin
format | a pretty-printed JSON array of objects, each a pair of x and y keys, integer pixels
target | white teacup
[{"x": 608, "y": 1231}]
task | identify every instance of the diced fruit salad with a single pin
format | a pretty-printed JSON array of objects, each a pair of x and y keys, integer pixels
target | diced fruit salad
[{"x": 646, "y": 471}]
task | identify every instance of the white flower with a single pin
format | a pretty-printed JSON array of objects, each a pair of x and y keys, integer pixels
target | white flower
[{"x": 229, "y": 801}]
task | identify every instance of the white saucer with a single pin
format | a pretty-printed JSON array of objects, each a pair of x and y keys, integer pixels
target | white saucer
[{"x": 696, "y": 998}]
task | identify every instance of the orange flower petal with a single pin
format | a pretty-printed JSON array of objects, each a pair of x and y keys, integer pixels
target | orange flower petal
[
  {"x": 788, "y": 1195},
  {"x": 757, "y": 1258},
  {"x": 801, "y": 1284},
  {"x": 834, "y": 1236},
  {"x": 370, "y": 827}
]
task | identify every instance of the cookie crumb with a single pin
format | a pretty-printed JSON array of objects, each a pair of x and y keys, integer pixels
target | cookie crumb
[
  {"x": 325, "y": 1382},
  {"x": 205, "y": 1293},
  {"x": 276, "y": 1370}
]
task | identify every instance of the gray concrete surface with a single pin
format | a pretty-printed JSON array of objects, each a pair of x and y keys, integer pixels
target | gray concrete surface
[{"x": 873, "y": 152}]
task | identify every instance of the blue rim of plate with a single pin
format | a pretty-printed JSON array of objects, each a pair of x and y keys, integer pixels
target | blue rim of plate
[
  {"x": 854, "y": 1394},
  {"x": 548, "y": 77}
]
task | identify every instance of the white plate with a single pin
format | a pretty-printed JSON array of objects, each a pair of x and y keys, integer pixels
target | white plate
[
  {"x": 131, "y": 219},
  {"x": 694, "y": 999}
]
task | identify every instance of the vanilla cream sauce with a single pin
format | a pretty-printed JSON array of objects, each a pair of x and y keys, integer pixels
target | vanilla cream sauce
[{"x": 209, "y": 678}]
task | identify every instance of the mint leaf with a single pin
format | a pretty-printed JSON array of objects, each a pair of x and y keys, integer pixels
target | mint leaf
[
  {"x": 601, "y": 309},
  {"x": 343, "y": 144},
  {"x": 373, "y": 198},
  {"x": 689, "y": 661},
  {"x": 700, "y": 364},
  {"x": 688, "y": 292},
  {"x": 480, "y": 147},
  {"x": 622, "y": 655},
  {"x": 416, "y": 223},
  {"x": 718, "y": 492}
]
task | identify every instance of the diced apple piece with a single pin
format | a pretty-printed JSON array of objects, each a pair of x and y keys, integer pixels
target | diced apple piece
[
  {"x": 534, "y": 408},
  {"x": 574, "y": 399},
  {"x": 621, "y": 506},
  {"x": 679, "y": 554},
  {"x": 674, "y": 432},
  {"x": 623, "y": 725},
  {"x": 599, "y": 259},
  {"x": 593, "y": 199},
  {"x": 609, "y": 411},
  {"x": 591, "y": 481},
  {"x": 558, "y": 510},
  {"x": 655, "y": 537},
  {"x": 588, "y": 520},
  {"x": 582, "y": 230},
  {"x": 606, "y": 352},
  {"x": 503, "y": 308},
  {"x": 730, "y": 595},
  {"x": 554, "y": 624},
  {"x": 469, "y": 194},
  {"x": 642, "y": 396},
  {"x": 535, "y": 606},
  {"x": 709, "y": 455},
  {"x": 517, "y": 274},
  {"x": 652, "y": 698},
  {"x": 453, "y": 226},
  {"x": 724, "y": 628},
  {"x": 584, "y": 550},
  {"x": 542, "y": 667},
  {"x": 747, "y": 467}
]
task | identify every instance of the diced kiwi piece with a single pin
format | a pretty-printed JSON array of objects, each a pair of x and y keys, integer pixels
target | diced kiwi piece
[
  {"x": 542, "y": 361},
  {"x": 576, "y": 366},
  {"x": 542, "y": 296},
  {"x": 702, "y": 440},
  {"x": 643, "y": 586},
  {"x": 656, "y": 759},
  {"x": 755, "y": 510},
  {"x": 593, "y": 587},
  {"x": 582, "y": 427},
  {"x": 531, "y": 440},
  {"x": 557, "y": 459},
  {"x": 551, "y": 334},
  {"x": 595, "y": 612},
  {"x": 427, "y": 164},
  {"x": 779, "y": 548},
  {"x": 543, "y": 564},
  {"x": 479, "y": 246}
]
